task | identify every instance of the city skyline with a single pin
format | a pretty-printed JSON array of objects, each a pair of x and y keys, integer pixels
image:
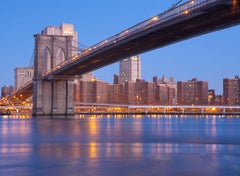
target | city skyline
[{"x": 210, "y": 57}]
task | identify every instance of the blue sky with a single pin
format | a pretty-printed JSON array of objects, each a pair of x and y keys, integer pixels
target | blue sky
[{"x": 210, "y": 57}]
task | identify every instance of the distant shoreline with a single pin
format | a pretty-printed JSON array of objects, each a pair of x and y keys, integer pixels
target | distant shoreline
[{"x": 132, "y": 113}]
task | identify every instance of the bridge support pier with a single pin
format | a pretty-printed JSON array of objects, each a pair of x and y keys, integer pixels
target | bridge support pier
[
  {"x": 62, "y": 97},
  {"x": 54, "y": 97},
  {"x": 52, "y": 94}
]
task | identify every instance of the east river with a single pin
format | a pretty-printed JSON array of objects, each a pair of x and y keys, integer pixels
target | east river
[{"x": 120, "y": 146}]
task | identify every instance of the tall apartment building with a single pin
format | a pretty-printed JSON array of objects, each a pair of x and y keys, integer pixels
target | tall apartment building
[
  {"x": 115, "y": 94},
  {"x": 231, "y": 91},
  {"x": 66, "y": 30},
  {"x": 192, "y": 92},
  {"x": 130, "y": 69},
  {"x": 93, "y": 91},
  {"x": 166, "y": 90},
  {"x": 22, "y": 76}
]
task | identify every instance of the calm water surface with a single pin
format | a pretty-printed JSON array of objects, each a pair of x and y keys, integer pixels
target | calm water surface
[{"x": 120, "y": 145}]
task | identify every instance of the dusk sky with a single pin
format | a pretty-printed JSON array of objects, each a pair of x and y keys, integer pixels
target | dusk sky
[{"x": 210, "y": 57}]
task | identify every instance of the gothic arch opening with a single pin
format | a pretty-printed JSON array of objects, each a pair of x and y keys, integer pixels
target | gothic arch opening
[
  {"x": 46, "y": 60},
  {"x": 60, "y": 56}
]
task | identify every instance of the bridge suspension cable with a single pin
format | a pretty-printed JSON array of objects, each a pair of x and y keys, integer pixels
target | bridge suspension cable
[
  {"x": 31, "y": 62},
  {"x": 176, "y": 4},
  {"x": 81, "y": 46},
  {"x": 74, "y": 48}
]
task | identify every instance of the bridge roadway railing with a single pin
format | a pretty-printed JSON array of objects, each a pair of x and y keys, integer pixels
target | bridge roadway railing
[
  {"x": 183, "y": 9},
  {"x": 27, "y": 84}
]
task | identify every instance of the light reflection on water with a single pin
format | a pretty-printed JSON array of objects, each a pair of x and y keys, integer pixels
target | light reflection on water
[{"x": 120, "y": 145}]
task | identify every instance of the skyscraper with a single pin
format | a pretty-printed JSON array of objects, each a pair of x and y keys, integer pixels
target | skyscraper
[{"x": 130, "y": 69}]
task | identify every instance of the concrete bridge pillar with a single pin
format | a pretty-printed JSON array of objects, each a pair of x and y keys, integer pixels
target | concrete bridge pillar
[{"x": 52, "y": 95}]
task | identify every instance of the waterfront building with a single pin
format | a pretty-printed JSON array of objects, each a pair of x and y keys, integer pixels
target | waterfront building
[
  {"x": 65, "y": 30},
  {"x": 144, "y": 93},
  {"x": 231, "y": 91},
  {"x": 87, "y": 76},
  {"x": 115, "y": 79},
  {"x": 172, "y": 95},
  {"x": 202, "y": 93},
  {"x": 211, "y": 97},
  {"x": 150, "y": 93},
  {"x": 128, "y": 93},
  {"x": 135, "y": 93},
  {"x": 219, "y": 100},
  {"x": 192, "y": 92},
  {"x": 100, "y": 91},
  {"x": 86, "y": 92},
  {"x": 6, "y": 90},
  {"x": 130, "y": 69},
  {"x": 92, "y": 91},
  {"x": 76, "y": 90},
  {"x": 162, "y": 90},
  {"x": 22, "y": 76},
  {"x": 166, "y": 90},
  {"x": 115, "y": 94}
]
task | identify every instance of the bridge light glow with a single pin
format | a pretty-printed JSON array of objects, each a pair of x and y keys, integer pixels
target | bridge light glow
[
  {"x": 186, "y": 12},
  {"x": 213, "y": 109},
  {"x": 155, "y": 18},
  {"x": 234, "y": 3},
  {"x": 192, "y": 2}
]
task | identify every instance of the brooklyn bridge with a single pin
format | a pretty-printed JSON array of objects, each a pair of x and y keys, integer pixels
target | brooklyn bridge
[{"x": 52, "y": 85}]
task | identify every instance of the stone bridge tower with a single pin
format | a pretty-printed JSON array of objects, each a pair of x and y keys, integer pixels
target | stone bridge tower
[{"x": 53, "y": 96}]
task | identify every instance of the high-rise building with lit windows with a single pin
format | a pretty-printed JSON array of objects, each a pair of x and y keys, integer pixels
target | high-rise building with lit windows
[
  {"x": 231, "y": 91},
  {"x": 130, "y": 69},
  {"x": 192, "y": 92}
]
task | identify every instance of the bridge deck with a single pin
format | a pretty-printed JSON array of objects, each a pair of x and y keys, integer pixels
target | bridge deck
[{"x": 187, "y": 21}]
